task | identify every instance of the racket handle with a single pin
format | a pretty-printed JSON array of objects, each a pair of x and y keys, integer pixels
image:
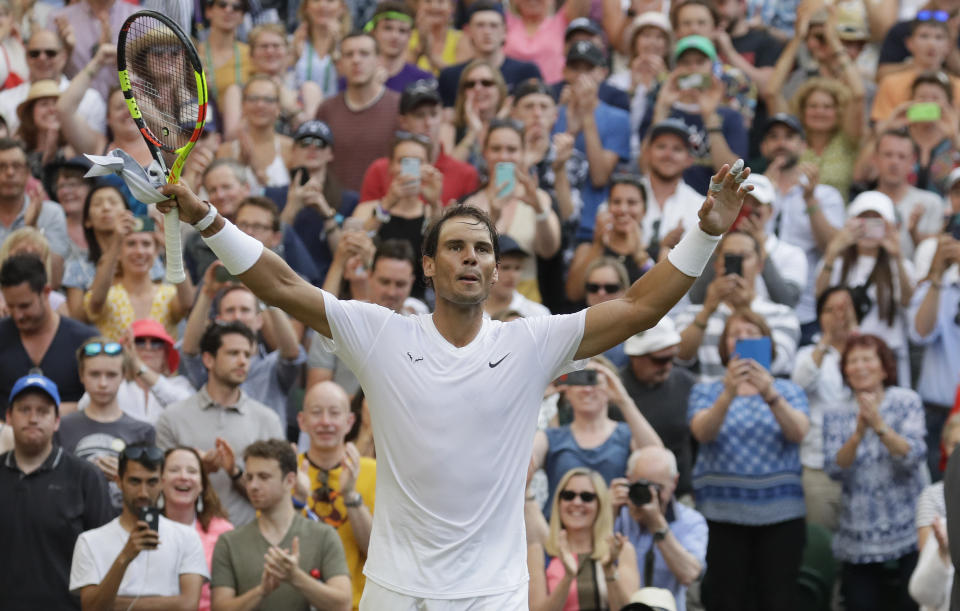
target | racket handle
[{"x": 171, "y": 234}]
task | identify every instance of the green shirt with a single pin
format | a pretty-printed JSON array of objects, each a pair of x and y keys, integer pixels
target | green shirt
[{"x": 238, "y": 560}]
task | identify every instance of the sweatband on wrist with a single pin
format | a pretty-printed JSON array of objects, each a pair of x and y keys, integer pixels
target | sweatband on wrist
[
  {"x": 693, "y": 252},
  {"x": 207, "y": 219},
  {"x": 237, "y": 250}
]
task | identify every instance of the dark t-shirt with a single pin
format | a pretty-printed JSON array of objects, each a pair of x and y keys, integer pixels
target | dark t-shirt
[
  {"x": 894, "y": 48},
  {"x": 59, "y": 362},
  {"x": 758, "y": 47},
  {"x": 513, "y": 71},
  {"x": 665, "y": 408}
]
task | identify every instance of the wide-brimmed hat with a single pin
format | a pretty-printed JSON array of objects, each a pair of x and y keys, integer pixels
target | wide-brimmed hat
[
  {"x": 147, "y": 327},
  {"x": 47, "y": 88}
]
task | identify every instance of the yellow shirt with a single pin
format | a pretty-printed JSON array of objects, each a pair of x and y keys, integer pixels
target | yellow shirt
[
  {"x": 449, "y": 55},
  {"x": 117, "y": 314},
  {"x": 232, "y": 72},
  {"x": 325, "y": 501}
]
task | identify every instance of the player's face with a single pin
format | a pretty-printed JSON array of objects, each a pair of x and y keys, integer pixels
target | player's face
[
  {"x": 576, "y": 514},
  {"x": 33, "y": 418},
  {"x": 465, "y": 266},
  {"x": 390, "y": 283},
  {"x": 326, "y": 418},
  {"x": 266, "y": 485},
  {"x": 101, "y": 376},
  {"x": 140, "y": 486}
]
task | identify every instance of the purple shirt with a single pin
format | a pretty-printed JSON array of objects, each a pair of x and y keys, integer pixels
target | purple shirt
[{"x": 398, "y": 82}]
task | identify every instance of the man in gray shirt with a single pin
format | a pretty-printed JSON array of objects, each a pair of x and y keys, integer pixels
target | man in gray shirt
[{"x": 221, "y": 420}]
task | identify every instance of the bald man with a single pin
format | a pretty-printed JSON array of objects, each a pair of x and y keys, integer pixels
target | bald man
[
  {"x": 670, "y": 538},
  {"x": 335, "y": 482}
]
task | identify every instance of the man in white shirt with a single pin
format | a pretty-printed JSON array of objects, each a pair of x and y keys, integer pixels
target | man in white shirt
[
  {"x": 454, "y": 397},
  {"x": 125, "y": 562},
  {"x": 504, "y": 296}
]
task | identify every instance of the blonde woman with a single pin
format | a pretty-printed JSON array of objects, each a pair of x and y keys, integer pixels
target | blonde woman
[
  {"x": 480, "y": 96},
  {"x": 582, "y": 565}
]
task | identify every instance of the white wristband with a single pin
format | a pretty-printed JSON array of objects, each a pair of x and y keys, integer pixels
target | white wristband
[
  {"x": 207, "y": 219},
  {"x": 234, "y": 248},
  {"x": 693, "y": 252}
]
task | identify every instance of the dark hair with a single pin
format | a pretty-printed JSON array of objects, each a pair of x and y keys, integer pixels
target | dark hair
[
  {"x": 12, "y": 143},
  {"x": 26, "y": 267},
  {"x": 394, "y": 249},
  {"x": 756, "y": 245},
  {"x": 431, "y": 238},
  {"x": 212, "y": 338},
  {"x": 887, "y": 359},
  {"x": 934, "y": 23},
  {"x": 751, "y": 317},
  {"x": 231, "y": 288},
  {"x": 484, "y": 5},
  {"x": 825, "y": 295},
  {"x": 881, "y": 277},
  {"x": 212, "y": 507},
  {"x": 930, "y": 77},
  {"x": 901, "y": 133},
  {"x": 263, "y": 203},
  {"x": 633, "y": 180},
  {"x": 356, "y": 407},
  {"x": 143, "y": 458},
  {"x": 676, "y": 8},
  {"x": 507, "y": 123},
  {"x": 359, "y": 34},
  {"x": 94, "y": 250},
  {"x": 276, "y": 449}
]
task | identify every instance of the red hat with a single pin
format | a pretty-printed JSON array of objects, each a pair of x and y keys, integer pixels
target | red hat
[{"x": 147, "y": 327}]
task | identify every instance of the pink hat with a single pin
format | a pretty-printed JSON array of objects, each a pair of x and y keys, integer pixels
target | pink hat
[{"x": 147, "y": 327}]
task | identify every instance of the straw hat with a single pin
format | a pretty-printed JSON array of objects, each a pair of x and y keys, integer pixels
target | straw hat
[{"x": 46, "y": 88}]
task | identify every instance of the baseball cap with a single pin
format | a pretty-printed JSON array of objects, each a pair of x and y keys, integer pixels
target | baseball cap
[
  {"x": 584, "y": 50},
  {"x": 696, "y": 42},
  {"x": 671, "y": 126},
  {"x": 314, "y": 129},
  {"x": 763, "y": 190},
  {"x": 510, "y": 246},
  {"x": 582, "y": 24},
  {"x": 851, "y": 24},
  {"x": 530, "y": 86},
  {"x": 651, "y": 599},
  {"x": 782, "y": 118},
  {"x": 417, "y": 93},
  {"x": 39, "y": 382},
  {"x": 147, "y": 327},
  {"x": 484, "y": 5},
  {"x": 872, "y": 201},
  {"x": 662, "y": 335}
]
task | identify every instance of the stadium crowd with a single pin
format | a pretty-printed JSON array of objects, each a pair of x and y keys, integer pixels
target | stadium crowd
[{"x": 187, "y": 446}]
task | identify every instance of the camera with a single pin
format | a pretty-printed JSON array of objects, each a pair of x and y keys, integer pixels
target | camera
[{"x": 639, "y": 492}]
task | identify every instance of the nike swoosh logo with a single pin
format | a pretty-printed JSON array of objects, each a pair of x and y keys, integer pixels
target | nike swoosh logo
[{"x": 492, "y": 365}]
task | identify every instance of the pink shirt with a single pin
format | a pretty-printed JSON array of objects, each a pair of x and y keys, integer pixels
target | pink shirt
[
  {"x": 555, "y": 573},
  {"x": 544, "y": 48},
  {"x": 208, "y": 538}
]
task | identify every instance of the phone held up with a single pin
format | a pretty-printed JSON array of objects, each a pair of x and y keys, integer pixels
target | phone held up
[
  {"x": 759, "y": 349},
  {"x": 151, "y": 515},
  {"x": 584, "y": 377},
  {"x": 732, "y": 264}
]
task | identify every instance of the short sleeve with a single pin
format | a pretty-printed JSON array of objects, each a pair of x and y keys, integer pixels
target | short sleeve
[
  {"x": 702, "y": 397},
  {"x": 192, "y": 561},
  {"x": 221, "y": 566},
  {"x": 330, "y": 556},
  {"x": 83, "y": 568},
  {"x": 319, "y": 357},
  {"x": 53, "y": 223},
  {"x": 930, "y": 504},
  {"x": 355, "y": 326},
  {"x": 831, "y": 204},
  {"x": 557, "y": 339}
]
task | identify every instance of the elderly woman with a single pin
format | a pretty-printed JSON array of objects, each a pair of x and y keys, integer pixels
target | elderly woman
[
  {"x": 189, "y": 498},
  {"x": 874, "y": 444},
  {"x": 481, "y": 93},
  {"x": 583, "y": 565},
  {"x": 535, "y": 33},
  {"x": 747, "y": 477}
]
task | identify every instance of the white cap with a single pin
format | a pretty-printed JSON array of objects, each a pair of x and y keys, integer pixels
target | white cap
[
  {"x": 662, "y": 335},
  {"x": 872, "y": 201},
  {"x": 763, "y": 190},
  {"x": 652, "y": 598},
  {"x": 654, "y": 18},
  {"x": 952, "y": 179}
]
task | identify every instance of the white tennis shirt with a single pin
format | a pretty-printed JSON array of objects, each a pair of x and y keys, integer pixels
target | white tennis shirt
[{"x": 454, "y": 432}]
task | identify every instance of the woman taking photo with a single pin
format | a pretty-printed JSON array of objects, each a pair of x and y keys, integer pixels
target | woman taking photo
[
  {"x": 189, "y": 498},
  {"x": 480, "y": 96},
  {"x": 322, "y": 24},
  {"x": 747, "y": 477},
  {"x": 874, "y": 445},
  {"x": 582, "y": 565}
]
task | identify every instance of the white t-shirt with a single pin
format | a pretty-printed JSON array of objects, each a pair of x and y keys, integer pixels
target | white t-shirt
[
  {"x": 152, "y": 573},
  {"x": 454, "y": 432}
]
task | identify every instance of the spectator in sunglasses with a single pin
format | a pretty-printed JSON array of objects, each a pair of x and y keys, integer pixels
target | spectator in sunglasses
[
  {"x": 581, "y": 551},
  {"x": 895, "y": 55},
  {"x": 101, "y": 430},
  {"x": 606, "y": 279},
  {"x": 109, "y": 565},
  {"x": 480, "y": 96},
  {"x": 670, "y": 538}
]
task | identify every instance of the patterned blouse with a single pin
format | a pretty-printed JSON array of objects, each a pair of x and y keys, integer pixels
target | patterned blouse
[
  {"x": 749, "y": 474},
  {"x": 117, "y": 314},
  {"x": 836, "y": 163},
  {"x": 880, "y": 490}
]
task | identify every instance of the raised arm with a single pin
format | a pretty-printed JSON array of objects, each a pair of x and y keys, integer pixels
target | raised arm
[
  {"x": 656, "y": 292},
  {"x": 82, "y": 137}
]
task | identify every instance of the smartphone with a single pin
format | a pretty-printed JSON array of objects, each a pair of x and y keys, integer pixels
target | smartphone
[
  {"x": 299, "y": 176},
  {"x": 151, "y": 515},
  {"x": 505, "y": 177},
  {"x": 732, "y": 264},
  {"x": 874, "y": 229},
  {"x": 410, "y": 166},
  {"x": 745, "y": 211},
  {"x": 923, "y": 112},
  {"x": 758, "y": 349},
  {"x": 142, "y": 222},
  {"x": 584, "y": 377},
  {"x": 220, "y": 274},
  {"x": 691, "y": 81},
  {"x": 953, "y": 226}
]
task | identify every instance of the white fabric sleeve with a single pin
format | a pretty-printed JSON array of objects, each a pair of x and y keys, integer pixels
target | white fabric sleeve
[
  {"x": 557, "y": 339},
  {"x": 354, "y": 326},
  {"x": 693, "y": 252},
  {"x": 237, "y": 250},
  {"x": 83, "y": 567},
  {"x": 931, "y": 579},
  {"x": 192, "y": 559}
]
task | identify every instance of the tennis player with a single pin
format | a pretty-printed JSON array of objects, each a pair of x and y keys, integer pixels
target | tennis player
[{"x": 454, "y": 397}]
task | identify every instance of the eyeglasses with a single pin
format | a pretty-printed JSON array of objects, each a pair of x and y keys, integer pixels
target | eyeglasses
[
  {"x": 928, "y": 15},
  {"x": 484, "y": 82},
  {"x": 569, "y": 495},
  {"x": 150, "y": 343},
  {"x": 16, "y": 166},
  {"x": 266, "y": 99},
  {"x": 137, "y": 452},
  {"x": 108, "y": 348},
  {"x": 229, "y": 6},
  {"x": 35, "y": 53},
  {"x": 594, "y": 287},
  {"x": 319, "y": 143},
  {"x": 254, "y": 227}
]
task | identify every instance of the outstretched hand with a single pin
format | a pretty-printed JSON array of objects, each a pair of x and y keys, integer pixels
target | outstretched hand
[{"x": 724, "y": 199}]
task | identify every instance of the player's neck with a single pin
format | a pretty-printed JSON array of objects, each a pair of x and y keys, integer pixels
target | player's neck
[
  {"x": 108, "y": 412},
  {"x": 458, "y": 324},
  {"x": 326, "y": 458}
]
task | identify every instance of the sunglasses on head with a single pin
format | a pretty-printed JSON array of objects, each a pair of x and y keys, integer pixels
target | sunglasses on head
[
  {"x": 149, "y": 453},
  {"x": 928, "y": 15},
  {"x": 311, "y": 141},
  {"x": 35, "y": 53},
  {"x": 594, "y": 287},
  {"x": 484, "y": 82},
  {"x": 108, "y": 348},
  {"x": 569, "y": 495}
]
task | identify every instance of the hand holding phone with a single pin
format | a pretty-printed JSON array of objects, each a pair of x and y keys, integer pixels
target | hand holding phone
[
  {"x": 759, "y": 349},
  {"x": 505, "y": 178},
  {"x": 733, "y": 264},
  {"x": 143, "y": 223},
  {"x": 923, "y": 112},
  {"x": 146, "y": 538},
  {"x": 874, "y": 229}
]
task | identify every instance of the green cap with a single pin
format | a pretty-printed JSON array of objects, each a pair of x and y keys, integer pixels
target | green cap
[{"x": 700, "y": 43}]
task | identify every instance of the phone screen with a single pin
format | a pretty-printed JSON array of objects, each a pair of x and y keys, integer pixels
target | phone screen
[
  {"x": 143, "y": 223},
  {"x": 410, "y": 166},
  {"x": 758, "y": 349},
  {"x": 874, "y": 229},
  {"x": 505, "y": 178},
  {"x": 151, "y": 515},
  {"x": 923, "y": 112},
  {"x": 732, "y": 264}
]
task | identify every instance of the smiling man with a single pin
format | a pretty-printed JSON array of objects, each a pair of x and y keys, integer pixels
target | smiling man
[{"x": 454, "y": 397}]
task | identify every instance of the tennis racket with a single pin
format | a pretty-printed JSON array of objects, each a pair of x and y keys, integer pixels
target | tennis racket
[{"x": 166, "y": 93}]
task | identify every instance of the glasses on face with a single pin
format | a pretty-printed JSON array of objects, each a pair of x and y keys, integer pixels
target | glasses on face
[
  {"x": 311, "y": 141},
  {"x": 49, "y": 53},
  {"x": 928, "y": 15},
  {"x": 254, "y": 227},
  {"x": 594, "y": 287},
  {"x": 150, "y": 343},
  {"x": 484, "y": 82},
  {"x": 229, "y": 6},
  {"x": 569, "y": 495},
  {"x": 265, "y": 99},
  {"x": 108, "y": 348},
  {"x": 16, "y": 166},
  {"x": 273, "y": 46}
]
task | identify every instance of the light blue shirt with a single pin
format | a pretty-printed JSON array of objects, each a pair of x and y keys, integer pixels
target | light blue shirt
[
  {"x": 51, "y": 222},
  {"x": 940, "y": 372}
]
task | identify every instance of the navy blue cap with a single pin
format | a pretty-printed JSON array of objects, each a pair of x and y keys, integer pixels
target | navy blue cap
[
  {"x": 671, "y": 126},
  {"x": 582, "y": 24},
  {"x": 584, "y": 50},
  {"x": 484, "y": 5},
  {"x": 314, "y": 129},
  {"x": 424, "y": 91},
  {"x": 39, "y": 382},
  {"x": 509, "y": 245},
  {"x": 782, "y": 118}
]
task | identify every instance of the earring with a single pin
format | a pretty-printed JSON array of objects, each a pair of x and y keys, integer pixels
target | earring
[
  {"x": 199, "y": 504},
  {"x": 160, "y": 502}
]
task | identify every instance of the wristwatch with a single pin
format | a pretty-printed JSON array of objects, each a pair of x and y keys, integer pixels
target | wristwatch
[
  {"x": 354, "y": 500},
  {"x": 661, "y": 534}
]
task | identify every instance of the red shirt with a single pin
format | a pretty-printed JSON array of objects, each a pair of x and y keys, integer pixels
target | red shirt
[{"x": 459, "y": 179}]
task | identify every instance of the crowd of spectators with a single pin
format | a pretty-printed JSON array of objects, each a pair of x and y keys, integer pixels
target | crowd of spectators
[{"x": 188, "y": 446}]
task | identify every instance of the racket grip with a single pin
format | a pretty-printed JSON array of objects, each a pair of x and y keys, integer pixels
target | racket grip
[{"x": 171, "y": 235}]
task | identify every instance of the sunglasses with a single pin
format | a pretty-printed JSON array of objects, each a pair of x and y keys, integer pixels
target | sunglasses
[
  {"x": 266, "y": 99},
  {"x": 150, "y": 453},
  {"x": 594, "y": 287},
  {"x": 35, "y": 53},
  {"x": 311, "y": 141},
  {"x": 482, "y": 82},
  {"x": 150, "y": 343},
  {"x": 108, "y": 348},
  {"x": 586, "y": 497},
  {"x": 229, "y": 6},
  {"x": 927, "y": 15}
]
